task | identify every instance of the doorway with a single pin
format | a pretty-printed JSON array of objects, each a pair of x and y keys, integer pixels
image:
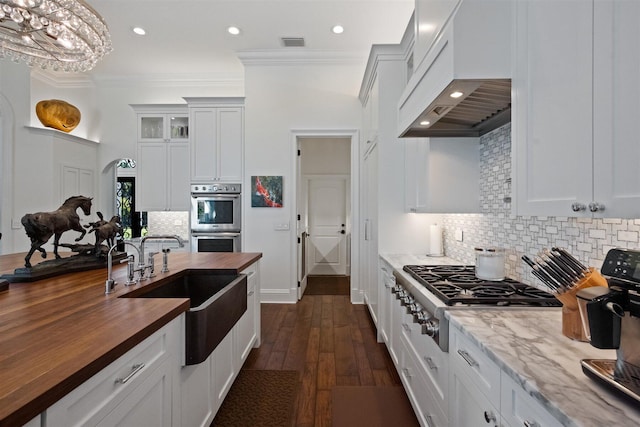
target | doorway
[{"x": 325, "y": 201}]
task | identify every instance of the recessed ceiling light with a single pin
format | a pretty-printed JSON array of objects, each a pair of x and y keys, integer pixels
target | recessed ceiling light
[
  {"x": 456, "y": 94},
  {"x": 425, "y": 123},
  {"x": 337, "y": 29},
  {"x": 233, "y": 30},
  {"x": 139, "y": 31}
]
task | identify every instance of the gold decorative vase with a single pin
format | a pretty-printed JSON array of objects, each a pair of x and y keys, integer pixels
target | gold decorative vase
[{"x": 58, "y": 114}]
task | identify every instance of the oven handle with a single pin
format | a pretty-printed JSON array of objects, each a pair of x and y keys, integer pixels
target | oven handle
[
  {"x": 221, "y": 234},
  {"x": 215, "y": 196}
]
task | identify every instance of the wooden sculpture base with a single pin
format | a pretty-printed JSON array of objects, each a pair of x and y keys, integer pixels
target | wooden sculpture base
[{"x": 84, "y": 260}]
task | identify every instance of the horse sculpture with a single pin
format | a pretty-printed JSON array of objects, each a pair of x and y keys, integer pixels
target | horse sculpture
[
  {"x": 106, "y": 231},
  {"x": 41, "y": 226}
]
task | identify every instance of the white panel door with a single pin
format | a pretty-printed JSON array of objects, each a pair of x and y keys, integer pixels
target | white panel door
[{"x": 327, "y": 225}]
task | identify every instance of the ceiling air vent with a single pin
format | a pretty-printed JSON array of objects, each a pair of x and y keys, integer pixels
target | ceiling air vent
[{"x": 293, "y": 41}]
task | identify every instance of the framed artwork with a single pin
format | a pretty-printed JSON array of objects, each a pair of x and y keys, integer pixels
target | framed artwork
[{"x": 266, "y": 192}]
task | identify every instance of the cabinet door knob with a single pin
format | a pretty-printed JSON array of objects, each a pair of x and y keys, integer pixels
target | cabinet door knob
[
  {"x": 596, "y": 207},
  {"x": 489, "y": 416},
  {"x": 578, "y": 207}
]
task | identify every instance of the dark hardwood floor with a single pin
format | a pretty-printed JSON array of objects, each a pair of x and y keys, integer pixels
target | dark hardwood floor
[{"x": 330, "y": 342}]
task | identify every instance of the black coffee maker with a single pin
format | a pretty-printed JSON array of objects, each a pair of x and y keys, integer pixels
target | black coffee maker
[{"x": 614, "y": 323}]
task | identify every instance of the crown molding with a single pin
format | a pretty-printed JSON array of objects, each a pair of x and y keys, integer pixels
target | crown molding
[
  {"x": 62, "y": 80},
  {"x": 227, "y": 81}
]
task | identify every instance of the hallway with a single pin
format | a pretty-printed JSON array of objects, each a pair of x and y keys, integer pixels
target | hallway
[{"x": 331, "y": 342}]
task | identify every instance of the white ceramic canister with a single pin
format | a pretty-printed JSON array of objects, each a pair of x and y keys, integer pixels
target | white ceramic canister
[{"x": 490, "y": 263}]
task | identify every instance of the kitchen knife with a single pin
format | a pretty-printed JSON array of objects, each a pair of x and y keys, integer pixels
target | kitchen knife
[
  {"x": 567, "y": 272},
  {"x": 571, "y": 259},
  {"x": 542, "y": 275},
  {"x": 566, "y": 262},
  {"x": 553, "y": 272}
]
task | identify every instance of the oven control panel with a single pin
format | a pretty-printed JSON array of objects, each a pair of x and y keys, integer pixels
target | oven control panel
[{"x": 220, "y": 188}]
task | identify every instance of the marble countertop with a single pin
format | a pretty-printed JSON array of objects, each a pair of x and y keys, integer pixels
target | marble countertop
[{"x": 529, "y": 347}]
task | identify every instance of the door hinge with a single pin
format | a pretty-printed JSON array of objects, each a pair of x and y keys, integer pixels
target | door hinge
[
  {"x": 299, "y": 240},
  {"x": 298, "y": 152},
  {"x": 298, "y": 283},
  {"x": 298, "y": 217}
]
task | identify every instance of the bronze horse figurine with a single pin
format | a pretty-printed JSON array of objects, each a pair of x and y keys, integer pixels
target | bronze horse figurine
[
  {"x": 105, "y": 231},
  {"x": 41, "y": 226}
]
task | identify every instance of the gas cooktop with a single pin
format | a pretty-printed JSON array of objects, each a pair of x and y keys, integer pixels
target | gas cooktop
[{"x": 458, "y": 284}]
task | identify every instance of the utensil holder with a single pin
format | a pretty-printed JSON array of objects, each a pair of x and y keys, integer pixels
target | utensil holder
[{"x": 571, "y": 320}]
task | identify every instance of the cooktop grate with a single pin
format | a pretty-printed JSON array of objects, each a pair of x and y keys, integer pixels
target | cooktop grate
[{"x": 457, "y": 284}]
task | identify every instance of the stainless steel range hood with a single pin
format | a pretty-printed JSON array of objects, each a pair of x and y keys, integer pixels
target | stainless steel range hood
[{"x": 482, "y": 106}]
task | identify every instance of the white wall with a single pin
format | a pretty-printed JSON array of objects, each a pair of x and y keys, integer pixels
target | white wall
[{"x": 279, "y": 99}]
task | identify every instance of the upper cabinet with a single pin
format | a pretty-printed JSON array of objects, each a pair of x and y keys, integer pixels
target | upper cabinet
[
  {"x": 167, "y": 127},
  {"x": 576, "y": 98},
  {"x": 216, "y": 139},
  {"x": 162, "y": 170}
]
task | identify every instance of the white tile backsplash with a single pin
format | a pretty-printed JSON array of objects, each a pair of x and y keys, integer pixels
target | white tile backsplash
[
  {"x": 587, "y": 239},
  {"x": 168, "y": 223}
]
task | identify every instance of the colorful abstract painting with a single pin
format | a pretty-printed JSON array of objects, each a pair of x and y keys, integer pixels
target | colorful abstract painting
[{"x": 266, "y": 191}]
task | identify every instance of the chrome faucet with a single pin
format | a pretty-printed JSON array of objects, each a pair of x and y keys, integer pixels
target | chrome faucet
[
  {"x": 158, "y": 237},
  {"x": 110, "y": 284}
]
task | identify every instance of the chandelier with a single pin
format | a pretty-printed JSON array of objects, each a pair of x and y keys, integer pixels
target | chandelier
[{"x": 61, "y": 35}]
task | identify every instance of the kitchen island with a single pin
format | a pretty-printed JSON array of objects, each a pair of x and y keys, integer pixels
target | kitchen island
[{"x": 57, "y": 333}]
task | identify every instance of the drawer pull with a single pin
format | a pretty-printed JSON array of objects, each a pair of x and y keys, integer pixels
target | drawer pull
[
  {"x": 406, "y": 372},
  {"x": 406, "y": 327},
  {"x": 467, "y": 358},
  {"x": 430, "y": 363},
  {"x": 528, "y": 423},
  {"x": 250, "y": 293},
  {"x": 134, "y": 370},
  {"x": 489, "y": 416}
]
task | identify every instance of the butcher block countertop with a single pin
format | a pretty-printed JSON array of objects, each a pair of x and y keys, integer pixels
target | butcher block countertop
[{"x": 58, "y": 332}]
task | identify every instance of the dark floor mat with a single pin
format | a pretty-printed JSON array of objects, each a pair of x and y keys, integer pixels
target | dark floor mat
[{"x": 259, "y": 398}]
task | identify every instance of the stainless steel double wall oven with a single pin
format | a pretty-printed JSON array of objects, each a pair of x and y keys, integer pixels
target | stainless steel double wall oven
[{"x": 216, "y": 217}]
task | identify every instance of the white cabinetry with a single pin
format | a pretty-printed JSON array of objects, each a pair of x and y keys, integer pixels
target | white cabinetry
[
  {"x": 576, "y": 101},
  {"x": 134, "y": 390},
  {"x": 217, "y": 139},
  {"x": 370, "y": 243},
  {"x": 424, "y": 373},
  {"x": 482, "y": 394},
  {"x": 386, "y": 298},
  {"x": 442, "y": 175},
  {"x": 248, "y": 327},
  {"x": 519, "y": 409},
  {"x": 430, "y": 17},
  {"x": 370, "y": 112},
  {"x": 205, "y": 385},
  {"x": 162, "y": 170}
]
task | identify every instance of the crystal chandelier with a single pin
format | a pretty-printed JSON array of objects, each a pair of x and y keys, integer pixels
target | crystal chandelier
[{"x": 61, "y": 35}]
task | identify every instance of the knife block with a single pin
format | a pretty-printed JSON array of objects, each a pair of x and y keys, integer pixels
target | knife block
[{"x": 571, "y": 320}]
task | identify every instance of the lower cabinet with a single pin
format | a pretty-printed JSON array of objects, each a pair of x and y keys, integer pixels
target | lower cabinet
[
  {"x": 482, "y": 394},
  {"x": 136, "y": 389},
  {"x": 203, "y": 387},
  {"x": 147, "y": 386},
  {"x": 518, "y": 409}
]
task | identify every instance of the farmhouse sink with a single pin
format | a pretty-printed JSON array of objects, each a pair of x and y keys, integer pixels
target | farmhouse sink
[{"x": 218, "y": 298}]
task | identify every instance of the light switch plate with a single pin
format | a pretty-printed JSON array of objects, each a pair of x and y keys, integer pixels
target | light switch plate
[{"x": 458, "y": 235}]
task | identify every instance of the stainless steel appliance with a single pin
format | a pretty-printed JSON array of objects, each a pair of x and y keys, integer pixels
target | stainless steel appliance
[
  {"x": 216, "y": 207},
  {"x": 428, "y": 291},
  {"x": 614, "y": 322},
  {"x": 216, "y": 217},
  {"x": 216, "y": 242}
]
